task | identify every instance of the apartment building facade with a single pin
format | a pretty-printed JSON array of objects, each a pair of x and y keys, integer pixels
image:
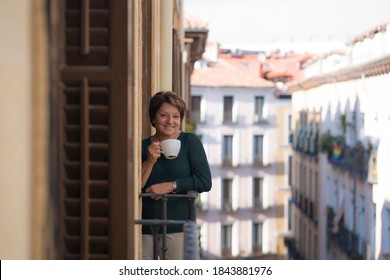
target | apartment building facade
[
  {"x": 243, "y": 125},
  {"x": 340, "y": 200}
]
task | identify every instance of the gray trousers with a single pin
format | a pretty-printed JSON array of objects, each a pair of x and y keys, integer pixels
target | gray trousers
[{"x": 175, "y": 246}]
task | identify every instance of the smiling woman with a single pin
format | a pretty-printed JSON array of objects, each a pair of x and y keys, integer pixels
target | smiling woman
[
  {"x": 188, "y": 171},
  {"x": 167, "y": 122}
]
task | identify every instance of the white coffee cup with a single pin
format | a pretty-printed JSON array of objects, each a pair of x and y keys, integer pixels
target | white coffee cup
[{"x": 170, "y": 148}]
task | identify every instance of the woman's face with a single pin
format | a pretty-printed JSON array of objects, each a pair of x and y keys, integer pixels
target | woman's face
[{"x": 167, "y": 121}]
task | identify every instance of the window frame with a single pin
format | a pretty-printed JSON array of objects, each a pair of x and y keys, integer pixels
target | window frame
[
  {"x": 258, "y": 113},
  {"x": 228, "y": 113}
]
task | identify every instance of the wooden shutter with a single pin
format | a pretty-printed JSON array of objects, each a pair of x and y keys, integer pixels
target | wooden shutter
[{"x": 92, "y": 134}]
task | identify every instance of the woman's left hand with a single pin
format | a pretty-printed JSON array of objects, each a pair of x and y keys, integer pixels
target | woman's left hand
[{"x": 161, "y": 188}]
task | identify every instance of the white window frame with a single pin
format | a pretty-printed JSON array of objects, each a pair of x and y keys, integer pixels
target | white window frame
[
  {"x": 224, "y": 148},
  {"x": 230, "y": 198},
  {"x": 201, "y": 109},
  {"x": 233, "y": 112},
  {"x": 258, "y": 159},
  {"x": 257, "y": 118},
  {"x": 261, "y": 233},
  {"x": 261, "y": 192}
]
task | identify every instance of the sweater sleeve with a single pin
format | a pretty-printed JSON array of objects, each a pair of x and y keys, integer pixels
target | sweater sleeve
[{"x": 200, "y": 178}]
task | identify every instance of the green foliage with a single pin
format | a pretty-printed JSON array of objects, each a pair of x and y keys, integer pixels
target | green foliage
[
  {"x": 326, "y": 142},
  {"x": 343, "y": 121},
  {"x": 330, "y": 212},
  {"x": 190, "y": 127}
]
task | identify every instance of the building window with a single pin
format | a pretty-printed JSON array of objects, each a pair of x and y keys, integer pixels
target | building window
[
  {"x": 228, "y": 109},
  {"x": 227, "y": 239},
  {"x": 227, "y": 150},
  {"x": 361, "y": 223},
  {"x": 351, "y": 210},
  {"x": 316, "y": 186},
  {"x": 257, "y": 238},
  {"x": 328, "y": 192},
  {"x": 386, "y": 235},
  {"x": 258, "y": 192},
  {"x": 352, "y": 132},
  {"x": 290, "y": 170},
  {"x": 289, "y": 130},
  {"x": 259, "y": 106},
  {"x": 335, "y": 196},
  {"x": 372, "y": 232},
  {"x": 196, "y": 109},
  {"x": 227, "y": 201},
  {"x": 258, "y": 150},
  {"x": 288, "y": 215}
]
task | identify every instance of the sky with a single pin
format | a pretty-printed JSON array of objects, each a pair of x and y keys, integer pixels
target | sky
[{"x": 251, "y": 22}]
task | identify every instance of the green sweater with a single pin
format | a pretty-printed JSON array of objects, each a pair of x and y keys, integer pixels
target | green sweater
[{"x": 190, "y": 170}]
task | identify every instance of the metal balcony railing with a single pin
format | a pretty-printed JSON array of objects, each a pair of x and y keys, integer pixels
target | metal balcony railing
[
  {"x": 354, "y": 160},
  {"x": 305, "y": 143},
  {"x": 348, "y": 241},
  {"x": 191, "y": 250},
  {"x": 306, "y": 205}
]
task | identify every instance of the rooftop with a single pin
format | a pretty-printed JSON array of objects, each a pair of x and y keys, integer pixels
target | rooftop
[
  {"x": 239, "y": 69},
  {"x": 191, "y": 22},
  {"x": 230, "y": 71}
]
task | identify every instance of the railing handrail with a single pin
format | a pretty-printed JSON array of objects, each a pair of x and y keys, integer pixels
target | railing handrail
[
  {"x": 189, "y": 195},
  {"x": 189, "y": 226}
]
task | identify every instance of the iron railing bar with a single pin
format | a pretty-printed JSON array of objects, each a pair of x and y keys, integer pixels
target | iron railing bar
[
  {"x": 149, "y": 222},
  {"x": 164, "y": 227},
  {"x": 170, "y": 195},
  {"x": 155, "y": 229},
  {"x": 155, "y": 224}
]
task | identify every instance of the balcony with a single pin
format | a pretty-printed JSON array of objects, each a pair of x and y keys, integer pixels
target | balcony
[
  {"x": 293, "y": 251},
  {"x": 191, "y": 248},
  {"x": 227, "y": 207},
  {"x": 305, "y": 143},
  {"x": 257, "y": 249},
  {"x": 258, "y": 162},
  {"x": 353, "y": 160},
  {"x": 257, "y": 119},
  {"x": 349, "y": 242},
  {"x": 226, "y": 252},
  {"x": 227, "y": 162},
  {"x": 303, "y": 203}
]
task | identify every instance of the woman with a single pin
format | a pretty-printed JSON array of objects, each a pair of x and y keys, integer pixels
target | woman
[{"x": 189, "y": 171}]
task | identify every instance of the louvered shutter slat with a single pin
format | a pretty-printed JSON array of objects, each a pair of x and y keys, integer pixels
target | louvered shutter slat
[{"x": 85, "y": 147}]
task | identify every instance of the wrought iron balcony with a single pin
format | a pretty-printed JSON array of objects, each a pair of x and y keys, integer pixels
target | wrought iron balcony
[
  {"x": 293, "y": 251},
  {"x": 353, "y": 160},
  {"x": 305, "y": 142},
  {"x": 303, "y": 203},
  {"x": 349, "y": 242},
  {"x": 191, "y": 250}
]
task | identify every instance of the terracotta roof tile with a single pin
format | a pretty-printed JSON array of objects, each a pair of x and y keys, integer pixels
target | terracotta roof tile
[
  {"x": 231, "y": 71},
  {"x": 289, "y": 67}
]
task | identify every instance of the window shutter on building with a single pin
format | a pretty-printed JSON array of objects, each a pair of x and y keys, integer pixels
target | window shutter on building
[{"x": 93, "y": 172}]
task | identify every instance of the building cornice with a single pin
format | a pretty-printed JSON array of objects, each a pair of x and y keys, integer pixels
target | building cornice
[
  {"x": 374, "y": 68},
  {"x": 197, "y": 40}
]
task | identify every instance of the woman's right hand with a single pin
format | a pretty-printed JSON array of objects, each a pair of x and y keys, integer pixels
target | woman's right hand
[{"x": 154, "y": 152}]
